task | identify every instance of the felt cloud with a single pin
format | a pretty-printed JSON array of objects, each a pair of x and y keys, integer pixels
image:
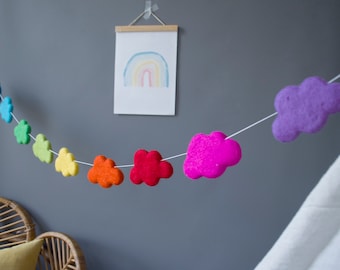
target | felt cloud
[
  {"x": 22, "y": 131},
  {"x": 304, "y": 108},
  {"x": 42, "y": 149},
  {"x": 210, "y": 155},
  {"x": 104, "y": 172},
  {"x": 6, "y": 109},
  {"x": 65, "y": 163},
  {"x": 149, "y": 168}
]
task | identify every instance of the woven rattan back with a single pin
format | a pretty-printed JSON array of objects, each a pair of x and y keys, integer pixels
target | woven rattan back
[
  {"x": 59, "y": 252},
  {"x": 16, "y": 225}
]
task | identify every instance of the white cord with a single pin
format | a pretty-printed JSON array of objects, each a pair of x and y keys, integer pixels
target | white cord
[{"x": 179, "y": 155}]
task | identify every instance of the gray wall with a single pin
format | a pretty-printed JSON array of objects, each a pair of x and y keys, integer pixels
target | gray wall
[{"x": 57, "y": 64}]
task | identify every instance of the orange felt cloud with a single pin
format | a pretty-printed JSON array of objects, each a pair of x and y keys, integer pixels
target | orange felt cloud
[{"x": 104, "y": 172}]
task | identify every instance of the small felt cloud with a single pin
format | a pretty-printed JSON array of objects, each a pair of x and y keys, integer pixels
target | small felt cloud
[
  {"x": 65, "y": 163},
  {"x": 6, "y": 109},
  {"x": 42, "y": 149},
  {"x": 104, "y": 172},
  {"x": 22, "y": 132},
  {"x": 149, "y": 168},
  {"x": 304, "y": 108},
  {"x": 210, "y": 155}
]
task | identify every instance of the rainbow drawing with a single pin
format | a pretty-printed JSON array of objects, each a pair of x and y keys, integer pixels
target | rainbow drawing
[{"x": 146, "y": 69}]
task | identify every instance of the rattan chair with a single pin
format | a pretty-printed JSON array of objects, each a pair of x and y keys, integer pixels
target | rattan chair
[
  {"x": 59, "y": 252},
  {"x": 16, "y": 225}
]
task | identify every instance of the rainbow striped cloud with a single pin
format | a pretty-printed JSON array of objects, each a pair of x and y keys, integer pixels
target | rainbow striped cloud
[{"x": 146, "y": 69}]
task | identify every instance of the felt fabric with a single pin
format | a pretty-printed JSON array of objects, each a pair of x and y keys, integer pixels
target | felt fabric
[
  {"x": 42, "y": 149},
  {"x": 6, "y": 109},
  {"x": 21, "y": 257},
  {"x": 210, "y": 155},
  {"x": 149, "y": 168},
  {"x": 312, "y": 238},
  {"x": 66, "y": 164},
  {"x": 22, "y": 131},
  {"x": 304, "y": 108},
  {"x": 104, "y": 172}
]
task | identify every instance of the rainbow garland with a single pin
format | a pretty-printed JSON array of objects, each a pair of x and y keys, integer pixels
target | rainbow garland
[{"x": 300, "y": 108}]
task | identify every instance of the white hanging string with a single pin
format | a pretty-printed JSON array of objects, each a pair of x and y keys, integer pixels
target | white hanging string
[
  {"x": 175, "y": 156},
  {"x": 250, "y": 126},
  {"x": 84, "y": 163},
  {"x": 148, "y": 11},
  {"x": 334, "y": 79},
  {"x": 234, "y": 134}
]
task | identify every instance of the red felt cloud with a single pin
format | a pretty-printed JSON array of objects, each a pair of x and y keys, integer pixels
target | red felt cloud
[
  {"x": 149, "y": 168},
  {"x": 104, "y": 172}
]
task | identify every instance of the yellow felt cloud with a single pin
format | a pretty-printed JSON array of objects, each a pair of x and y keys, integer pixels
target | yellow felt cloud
[
  {"x": 21, "y": 257},
  {"x": 65, "y": 163}
]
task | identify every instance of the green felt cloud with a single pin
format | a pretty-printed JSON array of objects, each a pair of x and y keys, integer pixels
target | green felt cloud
[
  {"x": 41, "y": 149},
  {"x": 22, "y": 131}
]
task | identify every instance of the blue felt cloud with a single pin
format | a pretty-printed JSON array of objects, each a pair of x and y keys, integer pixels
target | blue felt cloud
[{"x": 6, "y": 109}]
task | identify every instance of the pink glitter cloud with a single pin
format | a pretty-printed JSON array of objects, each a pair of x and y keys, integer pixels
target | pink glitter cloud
[{"x": 210, "y": 155}]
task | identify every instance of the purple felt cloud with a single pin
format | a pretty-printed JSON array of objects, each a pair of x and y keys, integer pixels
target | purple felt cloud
[
  {"x": 210, "y": 155},
  {"x": 304, "y": 108}
]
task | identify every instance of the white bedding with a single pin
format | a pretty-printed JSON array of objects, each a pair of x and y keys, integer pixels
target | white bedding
[{"x": 312, "y": 238}]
